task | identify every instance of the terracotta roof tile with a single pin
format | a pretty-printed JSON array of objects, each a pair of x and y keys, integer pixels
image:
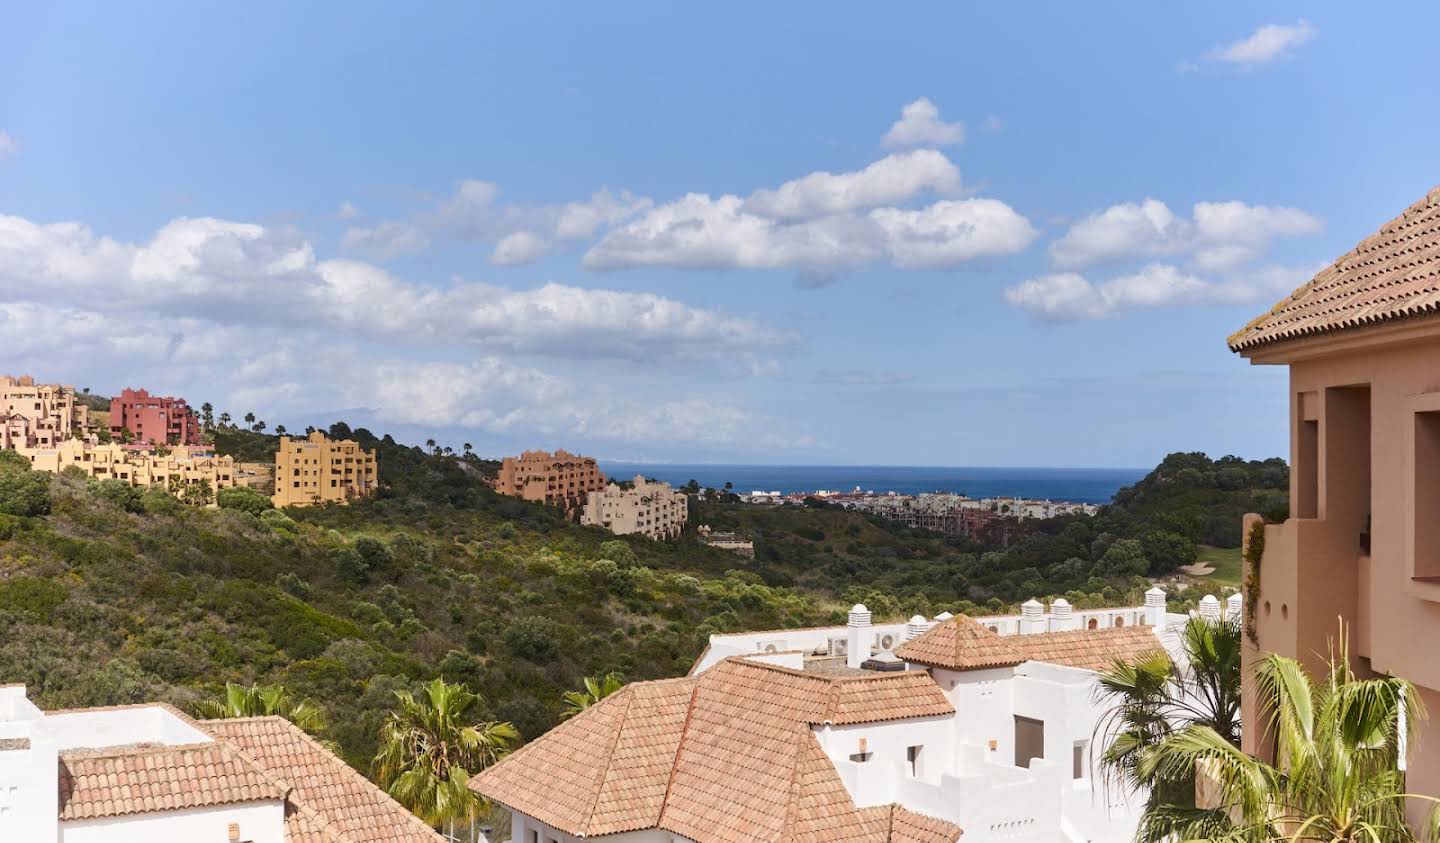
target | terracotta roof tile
[
  {"x": 1391, "y": 275},
  {"x": 137, "y": 780},
  {"x": 1092, "y": 649},
  {"x": 727, "y": 756},
  {"x": 961, "y": 643},
  {"x": 330, "y": 797}
]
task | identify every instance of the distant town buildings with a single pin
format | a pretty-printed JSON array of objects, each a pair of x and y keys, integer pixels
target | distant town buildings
[
  {"x": 562, "y": 478},
  {"x": 39, "y": 415},
  {"x": 173, "y": 470},
  {"x": 650, "y": 508},
  {"x": 319, "y": 470},
  {"x": 733, "y": 542},
  {"x": 153, "y": 419}
]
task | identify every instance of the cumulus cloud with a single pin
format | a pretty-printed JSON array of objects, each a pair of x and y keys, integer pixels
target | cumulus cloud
[
  {"x": 8, "y": 145},
  {"x": 1266, "y": 44},
  {"x": 949, "y": 233},
  {"x": 1069, "y": 296},
  {"x": 385, "y": 241},
  {"x": 893, "y": 179},
  {"x": 1217, "y": 236},
  {"x": 920, "y": 125}
]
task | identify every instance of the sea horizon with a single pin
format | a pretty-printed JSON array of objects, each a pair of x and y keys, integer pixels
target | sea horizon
[{"x": 1080, "y": 485}]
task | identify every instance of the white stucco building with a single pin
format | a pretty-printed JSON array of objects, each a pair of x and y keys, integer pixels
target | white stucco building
[
  {"x": 147, "y": 773},
  {"x": 884, "y": 733}
]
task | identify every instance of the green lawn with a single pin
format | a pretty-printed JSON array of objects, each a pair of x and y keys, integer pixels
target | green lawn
[{"x": 1225, "y": 560}]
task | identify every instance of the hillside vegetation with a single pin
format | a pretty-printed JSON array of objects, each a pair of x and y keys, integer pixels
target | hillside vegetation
[{"x": 111, "y": 596}]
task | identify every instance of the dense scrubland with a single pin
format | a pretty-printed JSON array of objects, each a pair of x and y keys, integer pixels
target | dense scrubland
[{"x": 111, "y": 596}]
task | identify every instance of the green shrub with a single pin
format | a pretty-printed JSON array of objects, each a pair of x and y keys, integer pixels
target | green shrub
[
  {"x": 619, "y": 551},
  {"x": 32, "y": 598},
  {"x": 13, "y": 461},
  {"x": 532, "y": 639},
  {"x": 291, "y": 583},
  {"x": 117, "y": 492},
  {"x": 279, "y": 521},
  {"x": 157, "y": 501},
  {"x": 242, "y": 498},
  {"x": 24, "y": 492}
]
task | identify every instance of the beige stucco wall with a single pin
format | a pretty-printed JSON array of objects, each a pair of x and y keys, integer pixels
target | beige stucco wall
[
  {"x": 1356, "y": 396},
  {"x": 561, "y": 478},
  {"x": 318, "y": 470},
  {"x": 651, "y": 509}
]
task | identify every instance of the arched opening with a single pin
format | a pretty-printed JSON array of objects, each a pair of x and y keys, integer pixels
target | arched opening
[
  {"x": 1119, "y": 621},
  {"x": 1094, "y": 623}
]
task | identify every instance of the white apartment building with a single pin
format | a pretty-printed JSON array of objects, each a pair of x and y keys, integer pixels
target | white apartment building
[
  {"x": 651, "y": 508},
  {"x": 147, "y": 773},
  {"x": 884, "y": 733}
]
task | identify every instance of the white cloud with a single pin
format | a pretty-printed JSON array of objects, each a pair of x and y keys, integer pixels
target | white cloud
[
  {"x": 1269, "y": 42},
  {"x": 347, "y": 211},
  {"x": 385, "y": 241},
  {"x": 1068, "y": 296},
  {"x": 893, "y": 179},
  {"x": 8, "y": 146},
  {"x": 952, "y": 232},
  {"x": 544, "y": 229},
  {"x": 920, "y": 125},
  {"x": 1218, "y": 236}
]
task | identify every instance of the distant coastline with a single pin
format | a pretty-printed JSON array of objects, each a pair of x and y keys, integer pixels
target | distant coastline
[{"x": 1081, "y": 485}]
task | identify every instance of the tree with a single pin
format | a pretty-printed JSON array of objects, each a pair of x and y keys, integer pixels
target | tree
[
  {"x": 263, "y": 701},
  {"x": 258, "y": 427},
  {"x": 1154, "y": 698},
  {"x": 207, "y": 415},
  {"x": 22, "y": 491},
  {"x": 280, "y": 430},
  {"x": 224, "y": 419},
  {"x": 250, "y": 418},
  {"x": 594, "y": 691},
  {"x": 1336, "y": 777},
  {"x": 243, "y": 498},
  {"x": 430, "y": 747}
]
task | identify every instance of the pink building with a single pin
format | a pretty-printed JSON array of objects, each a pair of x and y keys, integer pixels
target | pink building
[{"x": 153, "y": 419}]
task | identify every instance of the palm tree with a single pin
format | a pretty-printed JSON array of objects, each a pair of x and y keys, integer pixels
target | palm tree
[
  {"x": 1154, "y": 698},
  {"x": 250, "y": 418},
  {"x": 429, "y": 749},
  {"x": 224, "y": 419},
  {"x": 595, "y": 690},
  {"x": 1337, "y": 777},
  {"x": 263, "y": 701}
]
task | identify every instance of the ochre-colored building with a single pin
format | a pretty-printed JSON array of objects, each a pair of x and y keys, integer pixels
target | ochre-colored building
[
  {"x": 180, "y": 466},
  {"x": 1362, "y": 343},
  {"x": 38, "y": 415},
  {"x": 560, "y": 478},
  {"x": 648, "y": 507},
  {"x": 154, "y": 419},
  {"x": 319, "y": 470}
]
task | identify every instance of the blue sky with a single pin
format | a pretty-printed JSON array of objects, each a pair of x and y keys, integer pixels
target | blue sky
[{"x": 649, "y": 232}]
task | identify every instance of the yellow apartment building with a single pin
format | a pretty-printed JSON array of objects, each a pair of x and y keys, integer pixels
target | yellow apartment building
[
  {"x": 650, "y": 508},
  {"x": 1361, "y": 341},
  {"x": 39, "y": 415},
  {"x": 560, "y": 478},
  {"x": 182, "y": 465},
  {"x": 317, "y": 470}
]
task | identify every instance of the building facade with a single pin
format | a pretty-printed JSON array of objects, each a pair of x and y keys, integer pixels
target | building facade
[
  {"x": 39, "y": 415},
  {"x": 562, "y": 478},
  {"x": 179, "y": 467},
  {"x": 916, "y": 732},
  {"x": 726, "y": 540},
  {"x": 153, "y": 419},
  {"x": 318, "y": 470},
  {"x": 146, "y": 773},
  {"x": 1361, "y": 341},
  {"x": 649, "y": 507}
]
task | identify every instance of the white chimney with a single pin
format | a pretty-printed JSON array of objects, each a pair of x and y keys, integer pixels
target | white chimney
[
  {"x": 857, "y": 648},
  {"x": 915, "y": 628},
  {"x": 1234, "y": 605},
  {"x": 1155, "y": 607},
  {"x": 1032, "y": 617},
  {"x": 1210, "y": 608},
  {"x": 1061, "y": 618}
]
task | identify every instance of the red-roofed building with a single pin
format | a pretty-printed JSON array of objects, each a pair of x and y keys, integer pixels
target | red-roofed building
[{"x": 154, "y": 419}]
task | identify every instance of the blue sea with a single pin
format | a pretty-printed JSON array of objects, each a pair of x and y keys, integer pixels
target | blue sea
[{"x": 1083, "y": 485}]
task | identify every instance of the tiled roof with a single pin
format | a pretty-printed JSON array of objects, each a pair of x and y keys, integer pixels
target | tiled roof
[
  {"x": 1092, "y": 649},
  {"x": 961, "y": 643},
  {"x": 334, "y": 799},
  {"x": 724, "y": 757},
  {"x": 1393, "y": 274},
  {"x": 137, "y": 780}
]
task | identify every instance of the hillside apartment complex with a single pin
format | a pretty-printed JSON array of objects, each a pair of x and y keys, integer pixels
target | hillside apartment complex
[
  {"x": 146, "y": 773},
  {"x": 1362, "y": 342},
  {"x": 38, "y": 415},
  {"x": 650, "y": 508},
  {"x": 909, "y": 732},
  {"x": 182, "y": 465},
  {"x": 154, "y": 419},
  {"x": 561, "y": 478},
  {"x": 321, "y": 470}
]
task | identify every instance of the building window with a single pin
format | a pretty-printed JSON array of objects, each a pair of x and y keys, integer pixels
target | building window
[
  {"x": 912, "y": 760},
  {"x": 860, "y": 757},
  {"x": 1077, "y": 760},
  {"x": 1029, "y": 740},
  {"x": 1307, "y": 456},
  {"x": 1427, "y": 496}
]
